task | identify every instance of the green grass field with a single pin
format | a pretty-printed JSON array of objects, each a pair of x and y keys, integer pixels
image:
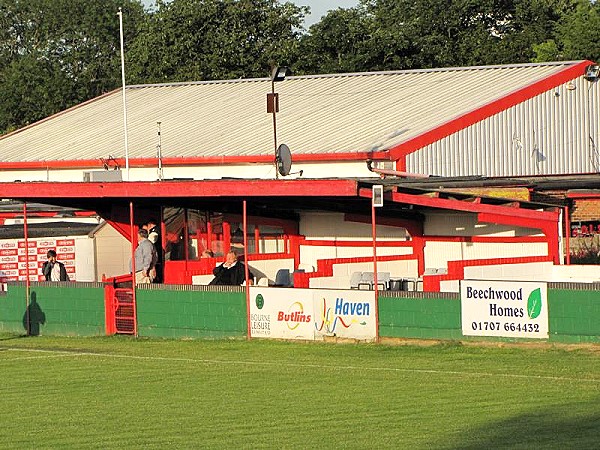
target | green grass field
[{"x": 120, "y": 392}]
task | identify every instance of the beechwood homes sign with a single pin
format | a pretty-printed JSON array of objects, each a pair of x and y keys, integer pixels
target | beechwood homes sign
[{"x": 504, "y": 309}]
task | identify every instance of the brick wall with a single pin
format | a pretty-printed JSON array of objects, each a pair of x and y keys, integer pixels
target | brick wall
[{"x": 585, "y": 210}]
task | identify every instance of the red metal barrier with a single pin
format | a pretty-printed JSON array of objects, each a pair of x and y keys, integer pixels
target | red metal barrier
[{"x": 119, "y": 306}]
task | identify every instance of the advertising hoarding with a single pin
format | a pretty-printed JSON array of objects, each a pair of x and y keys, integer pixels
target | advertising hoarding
[
  {"x": 309, "y": 314},
  {"x": 504, "y": 309}
]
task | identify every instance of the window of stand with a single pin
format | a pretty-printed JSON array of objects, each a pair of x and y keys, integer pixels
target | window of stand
[{"x": 217, "y": 232}]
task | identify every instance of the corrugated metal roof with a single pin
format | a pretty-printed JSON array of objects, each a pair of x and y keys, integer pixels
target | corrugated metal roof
[{"x": 328, "y": 114}]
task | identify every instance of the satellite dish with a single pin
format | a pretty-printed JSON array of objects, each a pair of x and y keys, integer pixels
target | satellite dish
[{"x": 283, "y": 159}]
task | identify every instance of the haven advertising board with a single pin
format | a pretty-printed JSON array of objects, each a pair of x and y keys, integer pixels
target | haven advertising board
[
  {"x": 504, "y": 309},
  {"x": 310, "y": 314}
]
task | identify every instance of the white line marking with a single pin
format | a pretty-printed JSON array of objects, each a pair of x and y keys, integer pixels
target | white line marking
[
  {"x": 296, "y": 365},
  {"x": 24, "y": 358}
]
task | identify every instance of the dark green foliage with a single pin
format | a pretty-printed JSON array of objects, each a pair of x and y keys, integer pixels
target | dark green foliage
[
  {"x": 57, "y": 53},
  {"x": 215, "y": 39}
]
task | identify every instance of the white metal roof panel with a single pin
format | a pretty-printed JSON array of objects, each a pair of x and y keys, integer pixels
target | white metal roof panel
[{"x": 324, "y": 114}]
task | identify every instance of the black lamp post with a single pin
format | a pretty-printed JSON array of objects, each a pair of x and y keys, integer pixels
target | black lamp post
[{"x": 278, "y": 74}]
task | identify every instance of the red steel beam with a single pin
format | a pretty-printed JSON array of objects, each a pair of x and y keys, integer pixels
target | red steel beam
[
  {"x": 459, "y": 205},
  {"x": 191, "y": 161},
  {"x": 204, "y": 188}
]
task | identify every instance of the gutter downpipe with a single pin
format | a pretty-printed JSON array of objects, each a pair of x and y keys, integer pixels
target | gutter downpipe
[{"x": 395, "y": 173}]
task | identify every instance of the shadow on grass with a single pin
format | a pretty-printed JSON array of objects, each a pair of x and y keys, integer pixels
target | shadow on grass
[{"x": 576, "y": 425}]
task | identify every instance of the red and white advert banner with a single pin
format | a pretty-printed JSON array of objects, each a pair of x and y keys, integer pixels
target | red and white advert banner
[{"x": 16, "y": 261}]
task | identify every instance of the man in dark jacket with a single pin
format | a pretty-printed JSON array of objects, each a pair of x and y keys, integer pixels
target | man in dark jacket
[
  {"x": 154, "y": 237},
  {"x": 232, "y": 272},
  {"x": 54, "y": 270}
]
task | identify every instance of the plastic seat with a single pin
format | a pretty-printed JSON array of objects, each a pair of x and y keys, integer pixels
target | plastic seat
[
  {"x": 366, "y": 280},
  {"x": 355, "y": 280},
  {"x": 383, "y": 280},
  {"x": 283, "y": 278}
]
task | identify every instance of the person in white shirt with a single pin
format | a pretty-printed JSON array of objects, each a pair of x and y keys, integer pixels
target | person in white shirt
[{"x": 54, "y": 270}]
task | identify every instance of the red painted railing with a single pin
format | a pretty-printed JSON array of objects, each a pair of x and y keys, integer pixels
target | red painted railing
[{"x": 119, "y": 306}]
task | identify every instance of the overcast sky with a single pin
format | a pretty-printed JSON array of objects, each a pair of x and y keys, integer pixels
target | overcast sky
[{"x": 318, "y": 8}]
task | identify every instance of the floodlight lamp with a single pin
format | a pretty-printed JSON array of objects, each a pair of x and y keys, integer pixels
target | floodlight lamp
[
  {"x": 592, "y": 72},
  {"x": 279, "y": 73}
]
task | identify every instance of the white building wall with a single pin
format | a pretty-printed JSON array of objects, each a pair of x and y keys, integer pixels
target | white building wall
[
  {"x": 84, "y": 259},
  {"x": 112, "y": 252},
  {"x": 325, "y": 225},
  {"x": 332, "y": 227},
  {"x": 209, "y": 172},
  {"x": 437, "y": 254},
  {"x": 556, "y": 132},
  {"x": 459, "y": 224}
]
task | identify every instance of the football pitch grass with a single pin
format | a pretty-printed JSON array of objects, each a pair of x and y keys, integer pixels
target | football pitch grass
[{"x": 120, "y": 392}]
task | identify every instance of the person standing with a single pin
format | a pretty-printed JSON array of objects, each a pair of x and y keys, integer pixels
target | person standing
[
  {"x": 145, "y": 258},
  {"x": 231, "y": 272},
  {"x": 154, "y": 237},
  {"x": 54, "y": 270}
]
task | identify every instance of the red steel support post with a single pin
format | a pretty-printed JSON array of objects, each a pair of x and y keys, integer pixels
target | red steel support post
[
  {"x": 246, "y": 269},
  {"x": 375, "y": 280},
  {"x": 133, "y": 281},
  {"x": 27, "y": 284}
]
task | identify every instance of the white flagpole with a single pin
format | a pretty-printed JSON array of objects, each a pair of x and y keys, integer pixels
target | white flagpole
[{"x": 120, "y": 13}]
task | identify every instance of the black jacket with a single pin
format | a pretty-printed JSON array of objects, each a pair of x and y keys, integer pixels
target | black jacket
[
  {"x": 47, "y": 271},
  {"x": 232, "y": 276}
]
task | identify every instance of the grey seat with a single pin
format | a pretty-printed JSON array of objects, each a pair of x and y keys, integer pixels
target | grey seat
[
  {"x": 355, "y": 280},
  {"x": 283, "y": 278}
]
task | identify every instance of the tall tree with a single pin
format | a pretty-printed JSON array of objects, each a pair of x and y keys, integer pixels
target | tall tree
[
  {"x": 187, "y": 40},
  {"x": 57, "y": 53},
  {"x": 412, "y": 34},
  {"x": 338, "y": 43},
  {"x": 575, "y": 36}
]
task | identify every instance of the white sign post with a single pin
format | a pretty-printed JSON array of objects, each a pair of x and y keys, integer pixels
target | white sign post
[{"x": 504, "y": 309}]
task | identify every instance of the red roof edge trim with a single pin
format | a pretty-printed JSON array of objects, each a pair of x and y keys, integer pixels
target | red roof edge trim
[
  {"x": 584, "y": 195},
  {"x": 186, "y": 161},
  {"x": 488, "y": 110}
]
